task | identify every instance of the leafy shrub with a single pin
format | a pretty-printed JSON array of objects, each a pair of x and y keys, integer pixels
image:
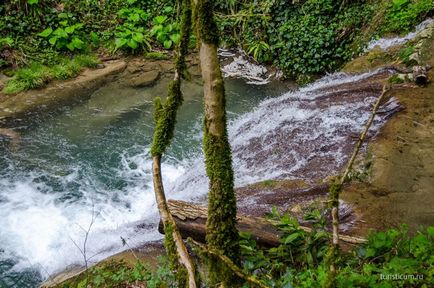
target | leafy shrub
[
  {"x": 165, "y": 33},
  {"x": 119, "y": 274},
  {"x": 302, "y": 38},
  {"x": 299, "y": 260},
  {"x": 314, "y": 37},
  {"x": 403, "y": 15},
  {"x": 66, "y": 36},
  {"x": 131, "y": 34}
]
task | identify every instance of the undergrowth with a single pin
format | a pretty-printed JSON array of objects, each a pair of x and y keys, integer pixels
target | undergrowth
[
  {"x": 37, "y": 75},
  {"x": 117, "y": 274},
  {"x": 392, "y": 258}
]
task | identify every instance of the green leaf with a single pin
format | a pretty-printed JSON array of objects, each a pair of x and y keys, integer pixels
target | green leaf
[
  {"x": 290, "y": 238},
  {"x": 70, "y": 46},
  {"x": 138, "y": 37},
  {"x": 53, "y": 40},
  {"x": 70, "y": 29},
  {"x": 161, "y": 37},
  {"x": 167, "y": 44},
  {"x": 78, "y": 43},
  {"x": 120, "y": 42},
  {"x": 160, "y": 19},
  {"x": 60, "y": 33},
  {"x": 94, "y": 37},
  {"x": 46, "y": 32},
  {"x": 175, "y": 38},
  {"x": 32, "y": 2},
  {"x": 132, "y": 44}
]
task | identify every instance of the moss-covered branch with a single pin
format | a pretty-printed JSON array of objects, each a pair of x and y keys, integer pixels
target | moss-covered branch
[{"x": 165, "y": 120}]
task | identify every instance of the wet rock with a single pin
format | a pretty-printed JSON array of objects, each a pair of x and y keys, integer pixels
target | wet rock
[{"x": 143, "y": 79}]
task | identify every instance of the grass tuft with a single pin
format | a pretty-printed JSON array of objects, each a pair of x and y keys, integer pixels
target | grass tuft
[{"x": 38, "y": 75}]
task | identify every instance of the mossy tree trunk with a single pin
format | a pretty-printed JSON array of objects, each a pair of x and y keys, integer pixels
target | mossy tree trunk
[
  {"x": 222, "y": 235},
  {"x": 165, "y": 120}
]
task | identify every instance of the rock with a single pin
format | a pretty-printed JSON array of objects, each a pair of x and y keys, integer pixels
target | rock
[
  {"x": 143, "y": 79},
  {"x": 100, "y": 66},
  {"x": 413, "y": 59},
  {"x": 426, "y": 33}
]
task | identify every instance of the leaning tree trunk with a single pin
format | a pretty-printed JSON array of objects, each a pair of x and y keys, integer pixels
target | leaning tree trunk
[
  {"x": 334, "y": 194},
  {"x": 165, "y": 119},
  {"x": 222, "y": 234}
]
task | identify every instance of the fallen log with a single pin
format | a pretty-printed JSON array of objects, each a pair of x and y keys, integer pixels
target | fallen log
[{"x": 191, "y": 222}]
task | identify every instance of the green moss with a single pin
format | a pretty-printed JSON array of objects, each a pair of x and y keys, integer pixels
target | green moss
[
  {"x": 156, "y": 55},
  {"x": 165, "y": 114},
  {"x": 395, "y": 79},
  {"x": 222, "y": 234},
  {"x": 334, "y": 191},
  {"x": 186, "y": 23},
  {"x": 179, "y": 270},
  {"x": 166, "y": 118},
  {"x": 205, "y": 22}
]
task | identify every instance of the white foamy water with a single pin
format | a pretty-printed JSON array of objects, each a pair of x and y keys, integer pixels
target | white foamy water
[
  {"x": 386, "y": 43},
  {"x": 42, "y": 230}
]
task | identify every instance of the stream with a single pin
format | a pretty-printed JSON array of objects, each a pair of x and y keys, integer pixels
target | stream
[{"x": 87, "y": 168}]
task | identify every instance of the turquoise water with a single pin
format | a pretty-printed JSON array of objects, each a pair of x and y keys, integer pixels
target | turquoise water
[{"x": 89, "y": 162}]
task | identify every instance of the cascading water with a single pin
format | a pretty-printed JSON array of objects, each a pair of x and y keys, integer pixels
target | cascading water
[
  {"x": 307, "y": 134},
  {"x": 386, "y": 43},
  {"x": 90, "y": 165}
]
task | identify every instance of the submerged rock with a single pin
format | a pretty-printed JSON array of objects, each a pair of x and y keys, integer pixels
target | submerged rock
[{"x": 143, "y": 79}]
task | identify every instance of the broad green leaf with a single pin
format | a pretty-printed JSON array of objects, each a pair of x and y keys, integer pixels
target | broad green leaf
[
  {"x": 46, "y": 32},
  {"x": 133, "y": 44},
  {"x": 70, "y": 46},
  {"x": 135, "y": 17},
  {"x": 32, "y": 2},
  {"x": 70, "y": 29},
  {"x": 138, "y": 37},
  {"x": 78, "y": 43},
  {"x": 175, "y": 38},
  {"x": 53, "y": 40},
  {"x": 160, "y": 19},
  {"x": 120, "y": 42},
  {"x": 161, "y": 37},
  {"x": 156, "y": 29},
  {"x": 60, "y": 33},
  {"x": 167, "y": 44}
]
